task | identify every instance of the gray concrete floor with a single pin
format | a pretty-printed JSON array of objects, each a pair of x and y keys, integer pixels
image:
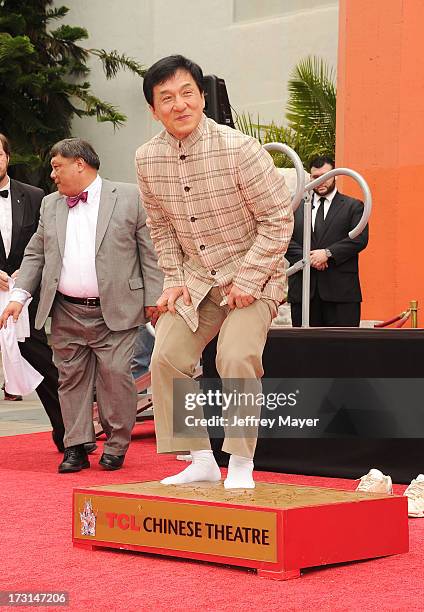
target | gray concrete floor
[
  {"x": 27, "y": 416},
  {"x": 23, "y": 417}
]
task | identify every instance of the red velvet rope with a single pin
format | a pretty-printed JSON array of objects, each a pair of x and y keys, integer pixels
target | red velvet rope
[
  {"x": 404, "y": 319},
  {"x": 401, "y": 318}
]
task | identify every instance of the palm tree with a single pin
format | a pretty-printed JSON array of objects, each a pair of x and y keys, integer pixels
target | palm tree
[
  {"x": 311, "y": 114},
  {"x": 43, "y": 83},
  {"x": 311, "y": 107}
]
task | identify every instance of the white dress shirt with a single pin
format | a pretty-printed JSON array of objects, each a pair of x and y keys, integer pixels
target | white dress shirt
[
  {"x": 327, "y": 203},
  {"x": 78, "y": 277},
  {"x": 6, "y": 220}
]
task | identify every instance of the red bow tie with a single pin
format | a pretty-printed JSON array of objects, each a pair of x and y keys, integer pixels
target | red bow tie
[{"x": 73, "y": 200}]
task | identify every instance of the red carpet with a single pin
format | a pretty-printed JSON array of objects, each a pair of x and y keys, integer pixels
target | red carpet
[{"x": 37, "y": 552}]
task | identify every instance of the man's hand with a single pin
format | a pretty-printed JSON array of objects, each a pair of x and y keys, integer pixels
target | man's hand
[
  {"x": 4, "y": 281},
  {"x": 13, "y": 309},
  {"x": 238, "y": 298},
  {"x": 319, "y": 259},
  {"x": 15, "y": 274},
  {"x": 169, "y": 296},
  {"x": 152, "y": 314},
  {"x": 321, "y": 267}
]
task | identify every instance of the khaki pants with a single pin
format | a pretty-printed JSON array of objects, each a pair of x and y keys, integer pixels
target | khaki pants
[{"x": 242, "y": 337}]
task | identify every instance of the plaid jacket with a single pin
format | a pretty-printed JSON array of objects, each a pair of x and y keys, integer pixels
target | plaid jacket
[{"x": 219, "y": 212}]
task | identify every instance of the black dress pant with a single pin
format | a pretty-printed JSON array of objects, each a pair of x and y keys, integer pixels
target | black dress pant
[
  {"x": 328, "y": 314},
  {"x": 38, "y": 353}
]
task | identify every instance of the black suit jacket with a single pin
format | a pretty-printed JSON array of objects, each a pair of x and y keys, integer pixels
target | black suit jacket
[
  {"x": 340, "y": 281},
  {"x": 26, "y": 202}
]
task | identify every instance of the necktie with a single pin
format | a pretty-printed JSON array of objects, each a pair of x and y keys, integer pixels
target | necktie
[
  {"x": 73, "y": 200},
  {"x": 319, "y": 220},
  {"x": 4, "y": 193}
]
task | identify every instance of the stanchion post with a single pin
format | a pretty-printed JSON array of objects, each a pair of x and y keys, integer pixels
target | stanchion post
[{"x": 414, "y": 313}]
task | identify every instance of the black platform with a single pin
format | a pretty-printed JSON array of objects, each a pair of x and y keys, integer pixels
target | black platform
[{"x": 342, "y": 353}]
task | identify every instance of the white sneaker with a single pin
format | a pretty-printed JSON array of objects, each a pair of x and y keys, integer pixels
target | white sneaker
[
  {"x": 375, "y": 482},
  {"x": 415, "y": 495}
]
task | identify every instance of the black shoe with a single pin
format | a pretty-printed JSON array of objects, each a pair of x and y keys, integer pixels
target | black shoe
[
  {"x": 90, "y": 447},
  {"x": 10, "y": 397},
  {"x": 74, "y": 460},
  {"x": 111, "y": 462},
  {"x": 58, "y": 440}
]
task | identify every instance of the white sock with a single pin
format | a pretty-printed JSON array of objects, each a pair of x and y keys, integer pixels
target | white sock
[
  {"x": 204, "y": 467},
  {"x": 240, "y": 473}
]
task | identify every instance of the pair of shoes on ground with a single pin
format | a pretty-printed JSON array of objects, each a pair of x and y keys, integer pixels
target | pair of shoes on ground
[
  {"x": 75, "y": 459},
  {"x": 376, "y": 482},
  {"x": 57, "y": 438}
]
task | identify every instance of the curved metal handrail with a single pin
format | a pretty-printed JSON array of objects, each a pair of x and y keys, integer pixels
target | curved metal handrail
[
  {"x": 280, "y": 147},
  {"x": 365, "y": 190},
  {"x": 365, "y": 215},
  {"x": 305, "y": 264}
]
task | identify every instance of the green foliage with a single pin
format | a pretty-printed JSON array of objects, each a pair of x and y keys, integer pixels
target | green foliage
[
  {"x": 311, "y": 115},
  {"x": 43, "y": 72},
  {"x": 311, "y": 108}
]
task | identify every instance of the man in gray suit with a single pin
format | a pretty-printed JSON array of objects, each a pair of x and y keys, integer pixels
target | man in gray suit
[{"x": 96, "y": 264}]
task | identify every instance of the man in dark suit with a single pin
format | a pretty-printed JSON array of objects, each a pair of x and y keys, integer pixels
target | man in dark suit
[
  {"x": 19, "y": 214},
  {"x": 335, "y": 299}
]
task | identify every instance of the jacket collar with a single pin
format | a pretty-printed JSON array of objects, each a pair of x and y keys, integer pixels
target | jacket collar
[{"x": 191, "y": 139}]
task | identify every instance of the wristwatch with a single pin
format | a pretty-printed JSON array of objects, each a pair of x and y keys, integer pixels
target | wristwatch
[{"x": 328, "y": 253}]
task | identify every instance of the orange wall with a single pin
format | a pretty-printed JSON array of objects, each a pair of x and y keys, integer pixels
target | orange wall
[{"x": 380, "y": 133}]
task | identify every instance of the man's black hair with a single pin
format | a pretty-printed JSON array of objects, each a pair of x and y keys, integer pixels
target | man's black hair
[
  {"x": 319, "y": 160},
  {"x": 166, "y": 68},
  {"x": 75, "y": 148}
]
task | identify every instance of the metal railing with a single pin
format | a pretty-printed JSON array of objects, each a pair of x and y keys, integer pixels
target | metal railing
[{"x": 305, "y": 263}]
